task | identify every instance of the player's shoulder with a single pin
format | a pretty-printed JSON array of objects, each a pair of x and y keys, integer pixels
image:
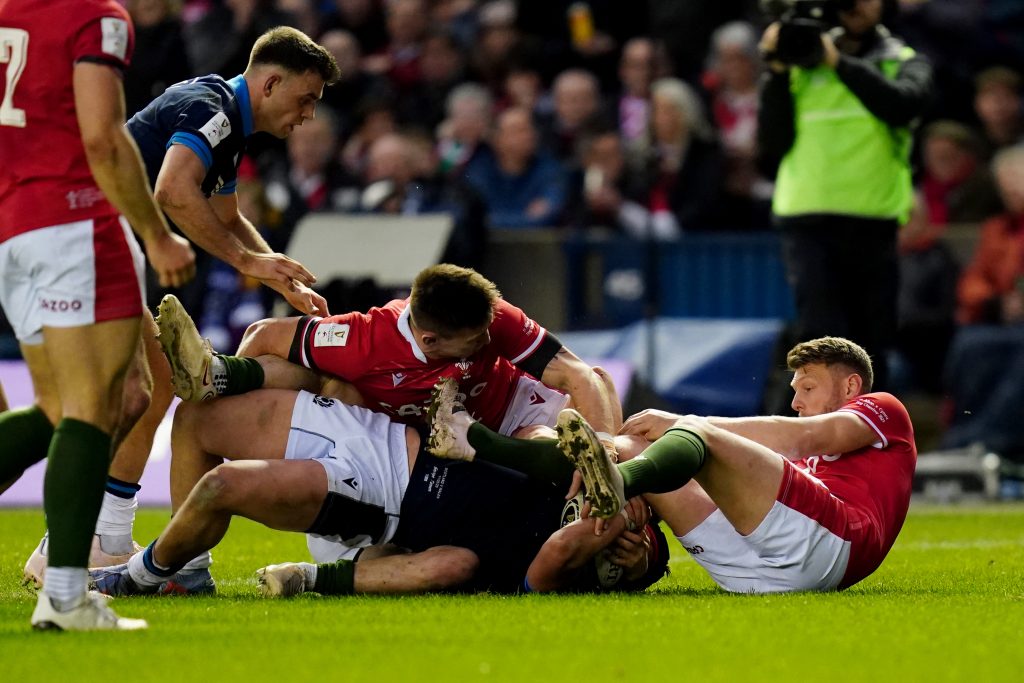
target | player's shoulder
[
  {"x": 879, "y": 406},
  {"x": 66, "y": 17},
  {"x": 76, "y": 13}
]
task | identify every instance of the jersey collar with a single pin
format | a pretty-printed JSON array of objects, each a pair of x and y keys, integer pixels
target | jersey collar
[
  {"x": 241, "y": 89},
  {"x": 406, "y": 331}
]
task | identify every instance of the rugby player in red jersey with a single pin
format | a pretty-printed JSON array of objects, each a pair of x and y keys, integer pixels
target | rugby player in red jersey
[{"x": 70, "y": 269}]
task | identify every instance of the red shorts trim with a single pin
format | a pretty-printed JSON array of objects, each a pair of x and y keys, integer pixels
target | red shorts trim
[
  {"x": 808, "y": 496},
  {"x": 118, "y": 294}
]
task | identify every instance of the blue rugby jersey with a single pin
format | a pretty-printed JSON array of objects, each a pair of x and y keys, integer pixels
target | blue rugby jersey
[{"x": 209, "y": 115}]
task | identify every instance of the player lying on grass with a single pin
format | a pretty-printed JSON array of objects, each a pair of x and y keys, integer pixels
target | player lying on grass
[
  {"x": 354, "y": 477},
  {"x": 764, "y": 504}
]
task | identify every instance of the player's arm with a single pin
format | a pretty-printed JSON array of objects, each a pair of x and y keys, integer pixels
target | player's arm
[
  {"x": 565, "y": 552},
  {"x": 591, "y": 395},
  {"x": 116, "y": 165},
  {"x": 287, "y": 277},
  {"x": 800, "y": 437}
]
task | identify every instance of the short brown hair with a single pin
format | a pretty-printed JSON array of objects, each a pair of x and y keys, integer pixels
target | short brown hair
[
  {"x": 832, "y": 351},
  {"x": 448, "y": 299},
  {"x": 294, "y": 50}
]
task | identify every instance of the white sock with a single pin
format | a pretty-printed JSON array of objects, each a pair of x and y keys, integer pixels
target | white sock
[
  {"x": 310, "y": 571},
  {"x": 200, "y": 561},
  {"x": 65, "y": 586},
  {"x": 115, "y": 522},
  {"x": 140, "y": 573}
]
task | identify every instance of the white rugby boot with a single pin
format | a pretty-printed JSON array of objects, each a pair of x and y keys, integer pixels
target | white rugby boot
[
  {"x": 449, "y": 423},
  {"x": 92, "y": 614},
  {"x": 188, "y": 353},
  {"x": 580, "y": 445},
  {"x": 281, "y": 580},
  {"x": 35, "y": 567}
]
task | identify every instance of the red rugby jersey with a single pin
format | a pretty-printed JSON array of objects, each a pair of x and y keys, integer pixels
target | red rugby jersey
[
  {"x": 376, "y": 353},
  {"x": 44, "y": 175}
]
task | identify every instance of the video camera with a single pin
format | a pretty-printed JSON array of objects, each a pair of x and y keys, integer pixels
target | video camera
[{"x": 801, "y": 23}]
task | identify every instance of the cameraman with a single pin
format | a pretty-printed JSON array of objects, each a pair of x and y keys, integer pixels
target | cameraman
[{"x": 839, "y": 129}]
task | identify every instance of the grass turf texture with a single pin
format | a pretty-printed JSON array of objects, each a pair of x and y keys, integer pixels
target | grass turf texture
[{"x": 948, "y": 604}]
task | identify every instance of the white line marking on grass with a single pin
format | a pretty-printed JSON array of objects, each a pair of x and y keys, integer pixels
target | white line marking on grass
[{"x": 976, "y": 544}]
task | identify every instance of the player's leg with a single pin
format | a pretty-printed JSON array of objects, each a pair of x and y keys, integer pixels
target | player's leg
[
  {"x": 254, "y": 426},
  {"x": 88, "y": 366},
  {"x": 26, "y": 432},
  {"x": 198, "y": 373},
  {"x": 434, "y": 569},
  {"x": 283, "y": 495}
]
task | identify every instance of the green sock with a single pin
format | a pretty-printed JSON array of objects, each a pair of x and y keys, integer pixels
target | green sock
[
  {"x": 666, "y": 465},
  {"x": 539, "y": 459},
  {"x": 25, "y": 435},
  {"x": 243, "y": 374},
  {"x": 335, "y": 578},
  {"x": 76, "y": 476}
]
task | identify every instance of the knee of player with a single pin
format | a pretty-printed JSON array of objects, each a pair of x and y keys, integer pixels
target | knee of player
[
  {"x": 135, "y": 403},
  {"x": 450, "y": 567},
  {"x": 218, "y": 488},
  {"x": 261, "y": 336}
]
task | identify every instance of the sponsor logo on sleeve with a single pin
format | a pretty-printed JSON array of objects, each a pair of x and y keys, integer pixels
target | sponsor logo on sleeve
[
  {"x": 331, "y": 334},
  {"x": 115, "y": 37},
  {"x": 216, "y": 129}
]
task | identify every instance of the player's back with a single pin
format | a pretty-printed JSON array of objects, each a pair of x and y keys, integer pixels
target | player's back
[{"x": 45, "y": 177}]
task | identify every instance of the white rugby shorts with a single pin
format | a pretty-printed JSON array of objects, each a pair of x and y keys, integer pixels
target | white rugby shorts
[
  {"x": 363, "y": 453},
  {"x": 71, "y": 275},
  {"x": 534, "y": 403},
  {"x": 788, "y": 551}
]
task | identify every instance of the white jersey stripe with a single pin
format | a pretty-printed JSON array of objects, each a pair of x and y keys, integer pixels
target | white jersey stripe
[
  {"x": 882, "y": 441},
  {"x": 541, "y": 333}
]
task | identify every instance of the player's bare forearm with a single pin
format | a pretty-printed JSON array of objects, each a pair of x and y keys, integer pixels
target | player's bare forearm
[
  {"x": 186, "y": 205},
  {"x": 799, "y": 437}
]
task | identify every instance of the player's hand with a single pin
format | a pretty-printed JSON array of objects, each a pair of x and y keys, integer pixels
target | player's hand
[
  {"x": 275, "y": 267},
  {"x": 637, "y": 512},
  {"x": 830, "y": 53},
  {"x": 172, "y": 258},
  {"x": 301, "y": 297},
  {"x": 650, "y": 423},
  {"x": 630, "y": 551}
]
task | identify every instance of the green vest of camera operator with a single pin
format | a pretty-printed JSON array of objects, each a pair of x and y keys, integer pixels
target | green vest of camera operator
[{"x": 844, "y": 160}]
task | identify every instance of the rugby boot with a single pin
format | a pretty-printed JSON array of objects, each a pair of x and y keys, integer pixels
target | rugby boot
[
  {"x": 92, "y": 614},
  {"x": 188, "y": 353},
  {"x": 281, "y": 580},
  {"x": 35, "y": 567},
  {"x": 117, "y": 581},
  {"x": 580, "y": 445},
  {"x": 449, "y": 423}
]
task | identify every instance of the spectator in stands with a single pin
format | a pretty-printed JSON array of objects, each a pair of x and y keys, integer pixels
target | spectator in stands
[
  {"x": 985, "y": 373},
  {"x": 402, "y": 179},
  {"x": 997, "y": 102},
  {"x": 461, "y": 136},
  {"x": 633, "y": 105},
  {"x": 521, "y": 185},
  {"x": 442, "y": 67},
  {"x": 577, "y": 103},
  {"x": 598, "y": 190},
  {"x": 524, "y": 88},
  {"x": 841, "y": 127},
  {"x": 374, "y": 117},
  {"x": 355, "y": 86},
  {"x": 678, "y": 176},
  {"x": 495, "y": 41},
  {"x": 219, "y": 42},
  {"x": 362, "y": 18},
  {"x": 160, "y": 59},
  {"x": 731, "y": 78},
  {"x": 400, "y": 59}
]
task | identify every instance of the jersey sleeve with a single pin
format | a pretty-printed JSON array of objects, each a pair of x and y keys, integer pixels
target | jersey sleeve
[
  {"x": 885, "y": 415},
  {"x": 107, "y": 38},
  {"x": 201, "y": 125},
  {"x": 522, "y": 340},
  {"x": 337, "y": 345}
]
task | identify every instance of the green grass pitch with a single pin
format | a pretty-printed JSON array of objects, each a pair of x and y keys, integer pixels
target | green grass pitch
[{"x": 947, "y": 605}]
